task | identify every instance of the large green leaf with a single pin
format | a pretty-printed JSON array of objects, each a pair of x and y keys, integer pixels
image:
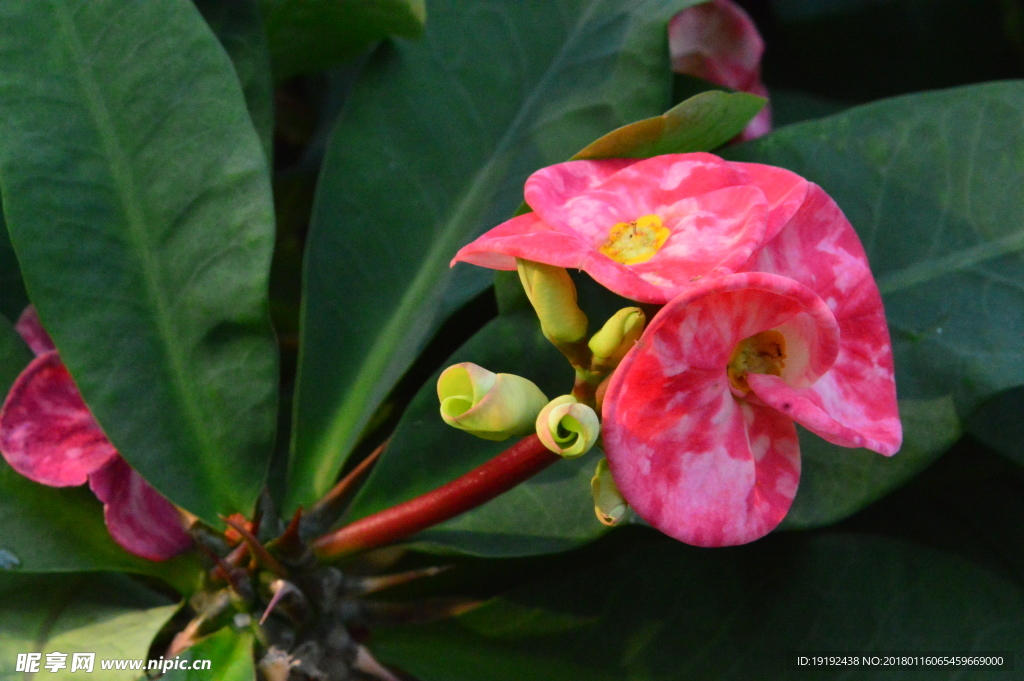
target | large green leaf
[
  {"x": 551, "y": 512},
  {"x": 138, "y": 200},
  {"x": 432, "y": 148},
  {"x": 311, "y": 35},
  {"x": 667, "y": 611},
  {"x": 238, "y": 26},
  {"x": 999, "y": 423},
  {"x": 930, "y": 182},
  {"x": 13, "y": 298},
  {"x": 229, "y": 652},
  {"x": 109, "y": 615},
  {"x": 14, "y": 355},
  {"x": 51, "y": 529}
]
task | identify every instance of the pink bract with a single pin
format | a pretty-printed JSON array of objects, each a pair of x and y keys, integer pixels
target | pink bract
[
  {"x": 717, "y": 41},
  {"x": 717, "y": 213},
  {"x": 48, "y": 434}
]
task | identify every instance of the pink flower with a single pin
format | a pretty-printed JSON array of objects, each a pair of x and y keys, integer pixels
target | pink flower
[
  {"x": 648, "y": 230},
  {"x": 698, "y": 418},
  {"x": 717, "y": 41},
  {"x": 48, "y": 434}
]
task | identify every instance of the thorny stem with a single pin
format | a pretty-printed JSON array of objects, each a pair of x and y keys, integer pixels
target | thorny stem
[{"x": 516, "y": 464}]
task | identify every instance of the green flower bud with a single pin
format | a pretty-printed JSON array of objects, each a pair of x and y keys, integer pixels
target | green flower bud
[
  {"x": 488, "y": 405},
  {"x": 553, "y": 295},
  {"x": 567, "y": 427},
  {"x": 609, "y": 506},
  {"x": 617, "y": 336}
]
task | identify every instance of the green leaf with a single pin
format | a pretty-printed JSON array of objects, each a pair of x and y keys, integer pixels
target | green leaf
[
  {"x": 238, "y": 26},
  {"x": 229, "y": 653},
  {"x": 432, "y": 148},
  {"x": 668, "y": 611},
  {"x": 13, "y": 298},
  {"x": 553, "y": 511},
  {"x": 703, "y": 122},
  {"x": 311, "y": 35},
  {"x": 14, "y": 355},
  {"x": 109, "y": 615},
  {"x": 930, "y": 181},
  {"x": 138, "y": 200},
  {"x": 61, "y": 529},
  {"x": 999, "y": 423}
]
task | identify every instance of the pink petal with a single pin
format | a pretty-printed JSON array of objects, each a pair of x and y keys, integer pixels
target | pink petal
[
  {"x": 717, "y": 41},
  {"x": 556, "y": 184},
  {"x": 820, "y": 249},
  {"x": 695, "y": 461},
  {"x": 137, "y": 516},
  {"x": 785, "y": 191},
  {"x": 525, "y": 236},
  {"x": 33, "y": 333},
  {"x": 46, "y": 432}
]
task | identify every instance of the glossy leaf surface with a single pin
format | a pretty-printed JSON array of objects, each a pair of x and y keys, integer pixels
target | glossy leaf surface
[
  {"x": 432, "y": 149},
  {"x": 229, "y": 652},
  {"x": 137, "y": 197}
]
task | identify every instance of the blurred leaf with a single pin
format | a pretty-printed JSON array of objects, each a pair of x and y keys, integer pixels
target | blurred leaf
[
  {"x": 14, "y": 355},
  {"x": 433, "y": 148},
  {"x": 703, "y": 122},
  {"x": 13, "y": 298},
  {"x": 999, "y": 423},
  {"x": 238, "y": 26},
  {"x": 229, "y": 652},
  {"x": 109, "y": 615},
  {"x": 137, "y": 197},
  {"x": 311, "y": 35},
  {"x": 552, "y": 511},
  {"x": 930, "y": 182},
  {"x": 668, "y": 611},
  {"x": 61, "y": 529}
]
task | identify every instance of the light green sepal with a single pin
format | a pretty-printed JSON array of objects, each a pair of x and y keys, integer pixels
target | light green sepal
[
  {"x": 488, "y": 405},
  {"x": 567, "y": 427}
]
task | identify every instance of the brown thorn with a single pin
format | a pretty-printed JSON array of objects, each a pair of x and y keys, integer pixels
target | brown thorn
[
  {"x": 385, "y": 614},
  {"x": 290, "y": 542},
  {"x": 259, "y": 553},
  {"x": 333, "y": 501},
  {"x": 224, "y": 571},
  {"x": 368, "y": 585},
  {"x": 282, "y": 590},
  {"x": 366, "y": 663}
]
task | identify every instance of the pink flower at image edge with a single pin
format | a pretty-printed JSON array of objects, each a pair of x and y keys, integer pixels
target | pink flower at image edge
[
  {"x": 48, "y": 434},
  {"x": 718, "y": 41}
]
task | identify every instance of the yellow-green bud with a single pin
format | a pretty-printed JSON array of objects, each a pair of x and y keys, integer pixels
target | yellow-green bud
[
  {"x": 488, "y": 405},
  {"x": 553, "y": 295},
  {"x": 567, "y": 427},
  {"x": 609, "y": 506},
  {"x": 617, "y": 336}
]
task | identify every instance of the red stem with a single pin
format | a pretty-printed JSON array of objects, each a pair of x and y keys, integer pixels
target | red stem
[{"x": 519, "y": 462}]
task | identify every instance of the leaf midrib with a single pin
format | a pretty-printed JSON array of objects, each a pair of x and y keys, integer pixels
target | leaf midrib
[
  {"x": 121, "y": 173},
  {"x": 387, "y": 341}
]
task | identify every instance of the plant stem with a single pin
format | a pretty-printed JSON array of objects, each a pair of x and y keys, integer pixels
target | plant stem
[{"x": 519, "y": 462}]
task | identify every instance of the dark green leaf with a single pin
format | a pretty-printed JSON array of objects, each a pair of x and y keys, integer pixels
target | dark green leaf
[
  {"x": 238, "y": 26},
  {"x": 703, "y": 122},
  {"x": 311, "y": 35},
  {"x": 229, "y": 652},
  {"x": 60, "y": 529},
  {"x": 930, "y": 182},
  {"x": 14, "y": 355},
  {"x": 138, "y": 200},
  {"x": 432, "y": 149},
  {"x": 999, "y": 423},
  {"x": 109, "y": 615},
  {"x": 13, "y": 298},
  {"x": 551, "y": 512},
  {"x": 667, "y": 611}
]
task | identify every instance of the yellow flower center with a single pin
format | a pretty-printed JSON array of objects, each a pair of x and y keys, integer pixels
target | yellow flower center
[
  {"x": 635, "y": 242},
  {"x": 762, "y": 353}
]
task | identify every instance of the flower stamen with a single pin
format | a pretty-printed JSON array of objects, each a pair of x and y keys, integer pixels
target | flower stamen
[
  {"x": 762, "y": 353},
  {"x": 631, "y": 243}
]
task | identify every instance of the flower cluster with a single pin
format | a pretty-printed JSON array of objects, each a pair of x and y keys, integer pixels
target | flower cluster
[
  {"x": 48, "y": 434},
  {"x": 771, "y": 316}
]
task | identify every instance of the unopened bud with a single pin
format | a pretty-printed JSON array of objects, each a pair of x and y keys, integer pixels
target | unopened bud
[
  {"x": 488, "y": 405},
  {"x": 553, "y": 295},
  {"x": 617, "y": 336},
  {"x": 567, "y": 427},
  {"x": 609, "y": 506}
]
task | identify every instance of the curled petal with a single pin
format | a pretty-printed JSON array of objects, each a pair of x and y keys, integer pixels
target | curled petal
[
  {"x": 526, "y": 237},
  {"x": 820, "y": 249},
  {"x": 137, "y": 516},
  {"x": 692, "y": 458},
  {"x": 46, "y": 432},
  {"x": 490, "y": 406},
  {"x": 33, "y": 333},
  {"x": 567, "y": 427}
]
